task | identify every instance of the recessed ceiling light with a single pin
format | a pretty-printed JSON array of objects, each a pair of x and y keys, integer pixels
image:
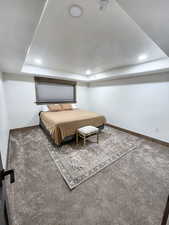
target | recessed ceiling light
[
  {"x": 142, "y": 57},
  {"x": 75, "y": 11},
  {"x": 88, "y": 72},
  {"x": 38, "y": 61}
]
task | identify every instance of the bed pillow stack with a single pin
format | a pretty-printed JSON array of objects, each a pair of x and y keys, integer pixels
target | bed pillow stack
[
  {"x": 44, "y": 108},
  {"x": 55, "y": 107},
  {"x": 66, "y": 106},
  {"x": 58, "y": 107}
]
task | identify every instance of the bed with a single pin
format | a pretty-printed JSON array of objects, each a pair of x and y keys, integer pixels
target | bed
[{"x": 61, "y": 126}]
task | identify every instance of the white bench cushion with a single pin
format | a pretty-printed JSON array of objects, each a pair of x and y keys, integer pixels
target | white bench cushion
[{"x": 87, "y": 130}]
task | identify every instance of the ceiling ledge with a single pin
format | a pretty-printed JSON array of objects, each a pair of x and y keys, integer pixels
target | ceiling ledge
[
  {"x": 45, "y": 72},
  {"x": 157, "y": 66}
]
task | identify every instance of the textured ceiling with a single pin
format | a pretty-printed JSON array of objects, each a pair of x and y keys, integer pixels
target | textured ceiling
[
  {"x": 18, "y": 20},
  {"x": 96, "y": 41},
  {"x": 152, "y": 16},
  {"x": 108, "y": 42}
]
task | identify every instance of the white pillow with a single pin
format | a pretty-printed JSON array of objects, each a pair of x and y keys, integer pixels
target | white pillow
[
  {"x": 45, "y": 108},
  {"x": 74, "y": 106}
]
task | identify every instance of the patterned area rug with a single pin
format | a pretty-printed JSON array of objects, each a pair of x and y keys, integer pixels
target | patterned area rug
[{"x": 78, "y": 163}]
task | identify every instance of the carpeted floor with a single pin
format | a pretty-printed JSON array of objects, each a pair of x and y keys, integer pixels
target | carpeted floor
[{"x": 132, "y": 191}]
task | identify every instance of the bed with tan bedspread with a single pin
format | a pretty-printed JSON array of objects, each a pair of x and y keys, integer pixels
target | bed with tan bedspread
[{"x": 62, "y": 124}]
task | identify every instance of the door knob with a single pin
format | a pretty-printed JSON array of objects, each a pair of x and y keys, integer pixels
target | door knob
[{"x": 4, "y": 173}]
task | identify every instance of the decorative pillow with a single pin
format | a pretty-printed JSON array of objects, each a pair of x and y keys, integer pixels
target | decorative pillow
[
  {"x": 55, "y": 107},
  {"x": 74, "y": 106},
  {"x": 66, "y": 106},
  {"x": 45, "y": 108}
]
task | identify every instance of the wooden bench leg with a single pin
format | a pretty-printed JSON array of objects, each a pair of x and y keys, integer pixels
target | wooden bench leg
[
  {"x": 84, "y": 140},
  {"x": 98, "y": 138},
  {"x": 77, "y": 138}
]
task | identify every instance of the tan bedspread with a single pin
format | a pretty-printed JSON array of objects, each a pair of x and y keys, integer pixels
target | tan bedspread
[{"x": 65, "y": 123}]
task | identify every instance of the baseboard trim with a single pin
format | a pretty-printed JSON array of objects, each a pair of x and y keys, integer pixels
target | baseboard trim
[
  {"x": 7, "y": 155},
  {"x": 139, "y": 135},
  {"x": 23, "y": 128}
]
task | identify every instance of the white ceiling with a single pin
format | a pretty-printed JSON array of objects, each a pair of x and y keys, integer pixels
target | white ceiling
[
  {"x": 152, "y": 16},
  {"x": 107, "y": 42},
  {"x": 18, "y": 20},
  {"x": 96, "y": 41}
]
